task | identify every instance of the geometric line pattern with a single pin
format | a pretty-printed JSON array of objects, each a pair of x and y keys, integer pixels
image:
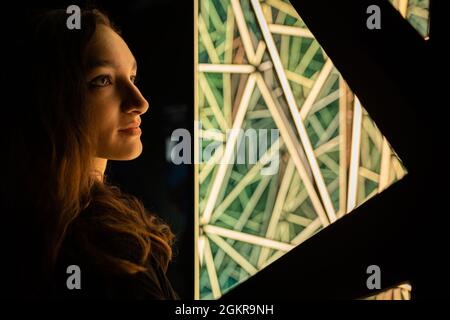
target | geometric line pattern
[
  {"x": 400, "y": 292},
  {"x": 259, "y": 67},
  {"x": 417, "y": 13}
]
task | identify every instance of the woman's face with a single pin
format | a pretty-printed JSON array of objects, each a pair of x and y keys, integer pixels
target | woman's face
[{"x": 113, "y": 98}]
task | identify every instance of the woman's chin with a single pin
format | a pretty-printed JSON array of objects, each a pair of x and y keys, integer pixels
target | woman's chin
[{"x": 127, "y": 154}]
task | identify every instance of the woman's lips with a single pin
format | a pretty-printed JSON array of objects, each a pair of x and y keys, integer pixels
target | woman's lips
[{"x": 132, "y": 131}]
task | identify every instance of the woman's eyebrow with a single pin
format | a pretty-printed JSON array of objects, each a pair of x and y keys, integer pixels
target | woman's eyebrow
[
  {"x": 92, "y": 64},
  {"x": 100, "y": 63}
]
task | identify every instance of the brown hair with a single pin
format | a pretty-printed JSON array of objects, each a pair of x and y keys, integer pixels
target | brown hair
[{"x": 51, "y": 192}]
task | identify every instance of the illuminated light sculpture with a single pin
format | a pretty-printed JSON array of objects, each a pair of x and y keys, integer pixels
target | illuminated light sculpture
[
  {"x": 416, "y": 12},
  {"x": 258, "y": 66},
  {"x": 400, "y": 292}
]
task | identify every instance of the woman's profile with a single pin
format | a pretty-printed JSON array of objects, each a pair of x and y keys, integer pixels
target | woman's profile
[{"x": 74, "y": 106}]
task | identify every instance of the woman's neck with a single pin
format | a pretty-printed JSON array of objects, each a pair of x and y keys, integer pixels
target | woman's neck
[{"x": 99, "y": 167}]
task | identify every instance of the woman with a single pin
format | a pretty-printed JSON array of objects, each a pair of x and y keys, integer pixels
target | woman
[{"x": 75, "y": 105}]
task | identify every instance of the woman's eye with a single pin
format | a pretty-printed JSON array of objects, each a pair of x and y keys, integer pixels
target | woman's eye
[
  {"x": 134, "y": 79},
  {"x": 101, "y": 81}
]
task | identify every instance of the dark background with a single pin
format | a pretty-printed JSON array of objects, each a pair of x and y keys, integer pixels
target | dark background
[{"x": 160, "y": 35}]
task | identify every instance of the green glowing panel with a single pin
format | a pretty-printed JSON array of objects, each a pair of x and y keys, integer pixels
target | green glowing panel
[
  {"x": 259, "y": 68},
  {"x": 417, "y": 13}
]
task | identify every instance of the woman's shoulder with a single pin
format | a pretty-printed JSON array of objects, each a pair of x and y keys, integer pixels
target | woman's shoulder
[{"x": 78, "y": 275}]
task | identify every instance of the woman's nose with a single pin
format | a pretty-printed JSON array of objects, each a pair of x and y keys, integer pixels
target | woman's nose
[{"x": 134, "y": 100}]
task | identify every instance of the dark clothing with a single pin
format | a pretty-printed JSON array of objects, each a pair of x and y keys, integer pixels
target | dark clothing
[{"x": 97, "y": 283}]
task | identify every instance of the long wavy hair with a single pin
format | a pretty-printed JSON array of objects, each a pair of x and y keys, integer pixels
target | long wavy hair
[{"x": 47, "y": 187}]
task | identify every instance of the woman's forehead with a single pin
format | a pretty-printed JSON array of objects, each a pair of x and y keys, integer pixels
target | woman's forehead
[{"x": 108, "y": 49}]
